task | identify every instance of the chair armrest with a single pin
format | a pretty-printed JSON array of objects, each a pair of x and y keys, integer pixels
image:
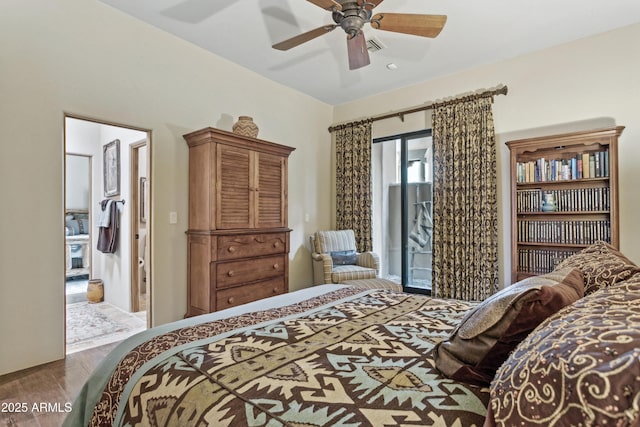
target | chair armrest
[
  {"x": 370, "y": 260},
  {"x": 322, "y": 267},
  {"x": 321, "y": 257}
]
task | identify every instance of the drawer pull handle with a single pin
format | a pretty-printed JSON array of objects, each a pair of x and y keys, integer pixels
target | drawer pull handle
[
  {"x": 275, "y": 266},
  {"x": 231, "y": 249},
  {"x": 276, "y": 244},
  {"x": 258, "y": 239},
  {"x": 275, "y": 290},
  {"x": 230, "y": 273},
  {"x": 231, "y": 300}
]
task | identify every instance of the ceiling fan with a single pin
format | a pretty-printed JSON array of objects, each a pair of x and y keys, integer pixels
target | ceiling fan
[{"x": 351, "y": 15}]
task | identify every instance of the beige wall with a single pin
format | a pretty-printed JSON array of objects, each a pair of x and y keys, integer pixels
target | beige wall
[
  {"x": 590, "y": 83},
  {"x": 85, "y": 58}
]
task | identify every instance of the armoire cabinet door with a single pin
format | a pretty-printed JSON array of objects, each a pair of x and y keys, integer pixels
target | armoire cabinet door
[
  {"x": 235, "y": 184},
  {"x": 251, "y": 189},
  {"x": 271, "y": 178}
]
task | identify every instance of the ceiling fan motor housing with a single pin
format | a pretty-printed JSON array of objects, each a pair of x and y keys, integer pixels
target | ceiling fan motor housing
[{"x": 352, "y": 17}]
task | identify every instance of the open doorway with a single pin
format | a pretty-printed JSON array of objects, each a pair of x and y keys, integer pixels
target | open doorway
[{"x": 105, "y": 210}]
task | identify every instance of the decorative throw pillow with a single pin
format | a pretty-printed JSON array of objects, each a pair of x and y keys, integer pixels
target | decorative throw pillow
[
  {"x": 73, "y": 227},
  {"x": 602, "y": 266},
  {"x": 489, "y": 332},
  {"x": 83, "y": 225},
  {"x": 344, "y": 257},
  {"x": 579, "y": 368},
  {"x": 76, "y": 226}
]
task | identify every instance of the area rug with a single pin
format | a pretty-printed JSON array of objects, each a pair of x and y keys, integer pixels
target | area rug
[{"x": 91, "y": 325}]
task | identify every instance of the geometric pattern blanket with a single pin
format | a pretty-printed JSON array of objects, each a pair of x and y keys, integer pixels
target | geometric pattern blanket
[{"x": 346, "y": 358}]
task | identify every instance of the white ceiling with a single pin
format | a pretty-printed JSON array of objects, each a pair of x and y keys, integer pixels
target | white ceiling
[{"x": 477, "y": 32}]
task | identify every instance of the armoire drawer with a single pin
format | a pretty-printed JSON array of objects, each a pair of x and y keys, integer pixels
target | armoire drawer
[
  {"x": 231, "y": 297},
  {"x": 248, "y": 270},
  {"x": 250, "y": 245}
]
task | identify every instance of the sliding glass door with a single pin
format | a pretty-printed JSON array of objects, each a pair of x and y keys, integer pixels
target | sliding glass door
[{"x": 402, "y": 168}]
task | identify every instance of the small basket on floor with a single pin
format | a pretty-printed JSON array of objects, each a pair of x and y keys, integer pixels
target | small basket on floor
[{"x": 95, "y": 291}]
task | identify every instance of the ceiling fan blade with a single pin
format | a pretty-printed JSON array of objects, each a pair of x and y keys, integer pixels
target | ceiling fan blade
[
  {"x": 408, "y": 23},
  {"x": 327, "y": 4},
  {"x": 357, "y": 50},
  {"x": 304, "y": 37},
  {"x": 370, "y": 4}
]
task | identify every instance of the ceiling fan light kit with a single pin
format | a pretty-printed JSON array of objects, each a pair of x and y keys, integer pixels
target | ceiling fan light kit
[{"x": 351, "y": 15}]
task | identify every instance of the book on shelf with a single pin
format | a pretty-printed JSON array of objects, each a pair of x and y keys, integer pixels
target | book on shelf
[
  {"x": 586, "y": 170},
  {"x": 572, "y": 232},
  {"x": 541, "y": 261},
  {"x": 580, "y": 166},
  {"x": 592, "y": 199}
]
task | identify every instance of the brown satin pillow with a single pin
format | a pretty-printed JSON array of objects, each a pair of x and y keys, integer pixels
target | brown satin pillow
[
  {"x": 602, "y": 266},
  {"x": 580, "y": 367},
  {"x": 490, "y": 331}
]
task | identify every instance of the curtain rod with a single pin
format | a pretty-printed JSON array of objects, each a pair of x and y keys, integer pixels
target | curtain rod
[{"x": 482, "y": 93}]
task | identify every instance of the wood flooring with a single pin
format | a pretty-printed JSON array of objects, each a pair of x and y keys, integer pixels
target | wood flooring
[{"x": 39, "y": 396}]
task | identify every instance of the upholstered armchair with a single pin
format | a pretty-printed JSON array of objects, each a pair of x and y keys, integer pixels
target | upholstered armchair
[{"x": 335, "y": 259}]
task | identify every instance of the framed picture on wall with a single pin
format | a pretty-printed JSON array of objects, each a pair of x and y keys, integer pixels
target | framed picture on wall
[
  {"x": 111, "y": 159},
  {"x": 143, "y": 199}
]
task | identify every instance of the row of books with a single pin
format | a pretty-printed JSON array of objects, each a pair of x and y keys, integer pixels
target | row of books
[
  {"x": 583, "y": 165},
  {"x": 541, "y": 261},
  {"x": 577, "y": 232},
  {"x": 567, "y": 200}
]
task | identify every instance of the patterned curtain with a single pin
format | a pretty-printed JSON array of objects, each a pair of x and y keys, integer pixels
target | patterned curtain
[
  {"x": 353, "y": 181},
  {"x": 465, "y": 241}
]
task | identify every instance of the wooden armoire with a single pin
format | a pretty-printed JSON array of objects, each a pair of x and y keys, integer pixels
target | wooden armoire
[{"x": 238, "y": 239}]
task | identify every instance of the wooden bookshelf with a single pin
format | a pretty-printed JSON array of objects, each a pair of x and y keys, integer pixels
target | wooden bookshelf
[{"x": 579, "y": 171}]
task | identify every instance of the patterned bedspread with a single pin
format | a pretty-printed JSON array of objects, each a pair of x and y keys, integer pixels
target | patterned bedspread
[{"x": 346, "y": 358}]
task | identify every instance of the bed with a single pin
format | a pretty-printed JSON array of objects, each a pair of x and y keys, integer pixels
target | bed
[
  {"x": 554, "y": 350},
  {"x": 327, "y": 355}
]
